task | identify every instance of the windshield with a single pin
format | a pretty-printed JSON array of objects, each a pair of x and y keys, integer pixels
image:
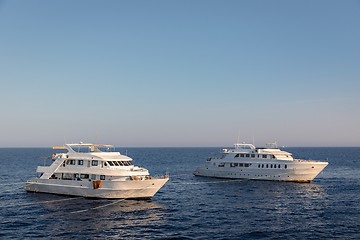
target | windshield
[{"x": 92, "y": 148}]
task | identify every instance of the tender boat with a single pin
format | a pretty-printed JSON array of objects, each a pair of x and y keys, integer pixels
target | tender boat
[
  {"x": 97, "y": 171},
  {"x": 245, "y": 161}
]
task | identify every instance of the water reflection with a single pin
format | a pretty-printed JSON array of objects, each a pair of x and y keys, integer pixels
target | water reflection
[{"x": 94, "y": 216}]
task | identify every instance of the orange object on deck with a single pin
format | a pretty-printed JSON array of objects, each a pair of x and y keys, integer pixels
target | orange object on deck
[{"x": 97, "y": 184}]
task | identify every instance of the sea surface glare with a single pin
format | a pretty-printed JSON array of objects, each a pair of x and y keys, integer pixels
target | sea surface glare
[{"x": 188, "y": 207}]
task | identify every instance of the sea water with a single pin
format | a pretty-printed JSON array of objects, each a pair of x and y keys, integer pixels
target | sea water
[{"x": 188, "y": 207}]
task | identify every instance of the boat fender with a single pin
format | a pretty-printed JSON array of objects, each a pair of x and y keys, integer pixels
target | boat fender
[{"x": 97, "y": 184}]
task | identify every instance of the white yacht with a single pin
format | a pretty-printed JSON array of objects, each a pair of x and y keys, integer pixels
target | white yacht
[
  {"x": 245, "y": 161},
  {"x": 94, "y": 170}
]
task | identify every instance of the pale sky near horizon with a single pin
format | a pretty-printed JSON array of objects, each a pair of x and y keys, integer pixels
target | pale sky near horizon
[{"x": 180, "y": 73}]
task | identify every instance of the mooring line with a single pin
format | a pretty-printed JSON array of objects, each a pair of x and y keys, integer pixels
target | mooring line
[
  {"x": 98, "y": 207},
  {"x": 50, "y": 201},
  {"x": 12, "y": 189},
  {"x": 197, "y": 183},
  {"x": 4, "y": 184}
]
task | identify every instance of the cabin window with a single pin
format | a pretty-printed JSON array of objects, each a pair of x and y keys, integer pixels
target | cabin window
[
  {"x": 267, "y": 165},
  {"x": 252, "y": 155},
  {"x": 84, "y": 176},
  {"x": 273, "y": 156},
  {"x": 102, "y": 177},
  {"x": 242, "y": 155},
  {"x": 246, "y": 165},
  {"x": 70, "y": 162},
  {"x": 247, "y": 155},
  {"x": 264, "y": 156},
  {"x": 285, "y": 166},
  {"x": 241, "y": 164},
  {"x": 270, "y": 165},
  {"x": 274, "y": 165},
  {"x": 94, "y": 162},
  {"x": 221, "y": 165},
  {"x": 93, "y": 176},
  {"x": 279, "y": 166},
  {"x": 237, "y": 155},
  {"x": 262, "y": 165},
  {"x": 259, "y": 166},
  {"x": 110, "y": 163},
  {"x": 80, "y": 162},
  {"x": 67, "y": 176}
]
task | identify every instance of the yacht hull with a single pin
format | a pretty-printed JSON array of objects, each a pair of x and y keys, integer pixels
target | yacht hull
[
  {"x": 298, "y": 171},
  {"x": 142, "y": 189}
]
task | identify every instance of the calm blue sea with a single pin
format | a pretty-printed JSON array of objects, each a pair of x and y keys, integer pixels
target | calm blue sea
[{"x": 188, "y": 207}]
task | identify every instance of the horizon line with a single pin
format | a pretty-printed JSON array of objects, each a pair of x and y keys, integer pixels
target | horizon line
[{"x": 317, "y": 146}]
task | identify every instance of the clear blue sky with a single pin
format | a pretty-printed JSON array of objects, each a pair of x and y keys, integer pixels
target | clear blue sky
[{"x": 180, "y": 73}]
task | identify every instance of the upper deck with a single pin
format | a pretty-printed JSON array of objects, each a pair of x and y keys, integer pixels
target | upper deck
[
  {"x": 86, "y": 147},
  {"x": 249, "y": 150},
  {"x": 91, "y": 151}
]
